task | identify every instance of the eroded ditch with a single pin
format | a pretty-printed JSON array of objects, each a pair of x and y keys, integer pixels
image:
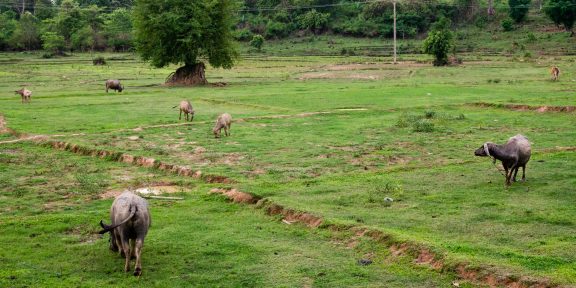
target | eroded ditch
[
  {"x": 420, "y": 254},
  {"x": 524, "y": 107}
]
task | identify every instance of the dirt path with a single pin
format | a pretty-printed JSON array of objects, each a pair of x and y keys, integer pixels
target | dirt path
[
  {"x": 524, "y": 107},
  {"x": 28, "y": 137}
]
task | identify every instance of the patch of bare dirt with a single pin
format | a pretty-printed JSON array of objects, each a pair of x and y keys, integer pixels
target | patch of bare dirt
[
  {"x": 147, "y": 190},
  {"x": 236, "y": 196},
  {"x": 343, "y": 148},
  {"x": 3, "y": 125},
  {"x": 523, "y": 107},
  {"x": 335, "y": 75},
  {"x": 85, "y": 233},
  {"x": 201, "y": 158},
  {"x": 294, "y": 216},
  {"x": 399, "y": 249},
  {"x": 217, "y": 179},
  {"x": 111, "y": 194},
  {"x": 258, "y": 171},
  {"x": 428, "y": 258},
  {"x": 494, "y": 278}
]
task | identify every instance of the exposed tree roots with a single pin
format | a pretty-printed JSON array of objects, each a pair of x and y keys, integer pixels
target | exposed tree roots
[{"x": 188, "y": 75}]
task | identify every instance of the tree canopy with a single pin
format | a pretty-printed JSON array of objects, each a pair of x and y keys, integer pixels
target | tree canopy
[
  {"x": 562, "y": 12},
  {"x": 439, "y": 41},
  {"x": 519, "y": 9},
  {"x": 184, "y": 32}
]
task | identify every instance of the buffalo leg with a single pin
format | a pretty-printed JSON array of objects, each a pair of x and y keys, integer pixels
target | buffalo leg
[
  {"x": 126, "y": 249},
  {"x": 138, "y": 251},
  {"x": 515, "y": 172},
  {"x": 523, "y": 173}
]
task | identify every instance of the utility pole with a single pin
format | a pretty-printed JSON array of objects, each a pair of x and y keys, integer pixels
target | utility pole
[{"x": 394, "y": 3}]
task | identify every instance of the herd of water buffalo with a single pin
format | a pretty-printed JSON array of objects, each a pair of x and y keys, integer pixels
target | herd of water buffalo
[{"x": 130, "y": 217}]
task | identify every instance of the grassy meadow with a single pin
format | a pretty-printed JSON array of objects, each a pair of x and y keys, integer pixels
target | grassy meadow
[{"x": 330, "y": 135}]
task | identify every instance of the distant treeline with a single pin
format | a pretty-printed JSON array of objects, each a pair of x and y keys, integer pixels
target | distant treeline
[{"x": 80, "y": 25}]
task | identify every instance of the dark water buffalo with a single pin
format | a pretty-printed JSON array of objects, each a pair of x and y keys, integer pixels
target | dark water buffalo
[
  {"x": 514, "y": 154},
  {"x": 130, "y": 221},
  {"x": 114, "y": 85}
]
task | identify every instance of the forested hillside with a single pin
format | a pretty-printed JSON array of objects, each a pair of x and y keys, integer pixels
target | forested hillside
[{"x": 97, "y": 25}]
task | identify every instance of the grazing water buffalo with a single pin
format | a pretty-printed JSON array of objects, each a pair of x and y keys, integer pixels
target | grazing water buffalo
[
  {"x": 186, "y": 107},
  {"x": 223, "y": 121},
  {"x": 25, "y": 94},
  {"x": 514, "y": 154},
  {"x": 555, "y": 72},
  {"x": 130, "y": 221},
  {"x": 114, "y": 85}
]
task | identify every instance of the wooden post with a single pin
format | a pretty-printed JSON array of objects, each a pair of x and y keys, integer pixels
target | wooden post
[{"x": 394, "y": 3}]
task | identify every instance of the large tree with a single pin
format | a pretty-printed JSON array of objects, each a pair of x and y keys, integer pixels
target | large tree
[
  {"x": 185, "y": 32},
  {"x": 562, "y": 12}
]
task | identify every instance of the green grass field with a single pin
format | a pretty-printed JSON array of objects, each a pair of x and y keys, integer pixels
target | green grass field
[{"x": 332, "y": 136}]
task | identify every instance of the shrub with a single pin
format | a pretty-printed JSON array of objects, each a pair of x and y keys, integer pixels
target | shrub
[
  {"x": 99, "y": 61},
  {"x": 243, "y": 34},
  {"x": 313, "y": 20},
  {"x": 439, "y": 42},
  {"x": 257, "y": 42},
  {"x": 518, "y": 9},
  {"x": 530, "y": 37},
  {"x": 423, "y": 125},
  {"x": 507, "y": 24},
  {"x": 276, "y": 30},
  {"x": 53, "y": 42},
  {"x": 430, "y": 114}
]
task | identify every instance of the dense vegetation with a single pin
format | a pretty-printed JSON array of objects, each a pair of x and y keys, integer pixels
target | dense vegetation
[{"x": 82, "y": 25}]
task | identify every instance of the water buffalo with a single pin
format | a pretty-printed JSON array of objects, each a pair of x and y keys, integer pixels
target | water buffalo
[
  {"x": 25, "y": 94},
  {"x": 223, "y": 121},
  {"x": 130, "y": 221},
  {"x": 186, "y": 107},
  {"x": 514, "y": 154},
  {"x": 114, "y": 85}
]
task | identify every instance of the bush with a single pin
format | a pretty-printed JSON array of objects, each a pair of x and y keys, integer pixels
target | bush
[
  {"x": 423, "y": 125},
  {"x": 313, "y": 20},
  {"x": 276, "y": 30},
  {"x": 99, "y": 61},
  {"x": 53, "y": 43},
  {"x": 507, "y": 24},
  {"x": 243, "y": 34},
  {"x": 257, "y": 42},
  {"x": 439, "y": 42},
  {"x": 518, "y": 9},
  {"x": 530, "y": 37}
]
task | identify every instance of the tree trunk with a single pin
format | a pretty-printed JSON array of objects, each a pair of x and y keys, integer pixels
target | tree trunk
[
  {"x": 189, "y": 75},
  {"x": 491, "y": 8}
]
